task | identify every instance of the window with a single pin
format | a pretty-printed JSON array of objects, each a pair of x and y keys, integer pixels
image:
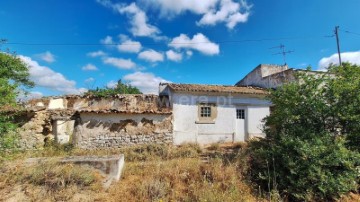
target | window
[
  {"x": 240, "y": 113},
  {"x": 205, "y": 112}
]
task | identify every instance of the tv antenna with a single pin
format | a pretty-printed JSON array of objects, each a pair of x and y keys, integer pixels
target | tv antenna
[{"x": 282, "y": 52}]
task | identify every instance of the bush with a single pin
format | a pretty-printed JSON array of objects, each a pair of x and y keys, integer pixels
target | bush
[
  {"x": 9, "y": 141},
  {"x": 305, "y": 155},
  {"x": 321, "y": 168},
  {"x": 119, "y": 88}
]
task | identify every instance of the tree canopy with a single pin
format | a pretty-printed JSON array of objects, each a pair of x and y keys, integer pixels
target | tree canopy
[
  {"x": 14, "y": 74},
  {"x": 312, "y": 136},
  {"x": 120, "y": 88},
  {"x": 14, "y": 77}
]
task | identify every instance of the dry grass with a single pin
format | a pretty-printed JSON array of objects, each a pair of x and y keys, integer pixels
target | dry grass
[
  {"x": 185, "y": 179},
  {"x": 46, "y": 181},
  {"x": 152, "y": 173}
]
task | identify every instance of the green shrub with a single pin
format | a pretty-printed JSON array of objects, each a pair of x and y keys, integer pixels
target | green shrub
[
  {"x": 306, "y": 154},
  {"x": 320, "y": 168},
  {"x": 120, "y": 88},
  {"x": 9, "y": 141}
]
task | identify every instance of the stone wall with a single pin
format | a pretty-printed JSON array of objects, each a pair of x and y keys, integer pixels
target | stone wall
[
  {"x": 93, "y": 122},
  {"x": 36, "y": 129},
  {"x": 116, "y": 130}
]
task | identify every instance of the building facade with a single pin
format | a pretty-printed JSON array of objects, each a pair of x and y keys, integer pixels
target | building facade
[{"x": 207, "y": 114}]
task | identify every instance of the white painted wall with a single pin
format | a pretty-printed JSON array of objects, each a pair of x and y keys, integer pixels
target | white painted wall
[
  {"x": 56, "y": 103},
  {"x": 63, "y": 130},
  {"x": 185, "y": 113},
  {"x": 255, "y": 116}
]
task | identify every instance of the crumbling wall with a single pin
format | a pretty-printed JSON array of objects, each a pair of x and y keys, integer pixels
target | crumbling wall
[
  {"x": 128, "y": 103},
  {"x": 95, "y": 122},
  {"x": 36, "y": 130},
  {"x": 116, "y": 130}
]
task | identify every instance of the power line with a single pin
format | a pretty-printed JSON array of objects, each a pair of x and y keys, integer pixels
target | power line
[
  {"x": 349, "y": 32},
  {"x": 188, "y": 43}
]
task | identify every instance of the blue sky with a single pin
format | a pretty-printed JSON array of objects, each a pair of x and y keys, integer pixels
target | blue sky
[{"x": 71, "y": 46}]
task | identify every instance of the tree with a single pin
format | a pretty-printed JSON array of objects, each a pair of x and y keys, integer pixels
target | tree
[
  {"x": 120, "y": 88},
  {"x": 307, "y": 153},
  {"x": 14, "y": 78}
]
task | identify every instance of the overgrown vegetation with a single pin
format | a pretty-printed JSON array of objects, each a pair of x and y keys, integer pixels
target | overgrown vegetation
[
  {"x": 54, "y": 176},
  {"x": 14, "y": 79},
  {"x": 120, "y": 88},
  {"x": 311, "y": 149},
  {"x": 152, "y": 173},
  {"x": 47, "y": 181}
]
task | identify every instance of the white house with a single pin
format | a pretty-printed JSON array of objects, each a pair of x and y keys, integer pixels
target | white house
[{"x": 212, "y": 113}]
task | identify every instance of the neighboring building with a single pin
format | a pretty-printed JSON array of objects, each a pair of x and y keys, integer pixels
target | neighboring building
[
  {"x": 211, "y": 113},
  {"x": 267, "y": 76},
  {"x": 271, "y": 76}
]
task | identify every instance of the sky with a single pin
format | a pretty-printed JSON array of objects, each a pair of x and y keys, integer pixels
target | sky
[{"x": 71, "y": 46}]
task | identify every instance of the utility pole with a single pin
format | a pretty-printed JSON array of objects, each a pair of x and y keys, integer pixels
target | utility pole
[{"x": 338, "y": 43}]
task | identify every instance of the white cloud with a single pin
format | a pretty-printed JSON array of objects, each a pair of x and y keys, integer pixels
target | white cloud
[
  {"x": 112, "y": 84},
  {"x": 28, "y": 96},
  {"x": 35, "y": 94},
  {"x": 199, "y": 42},
  {"x": 89, "y": 80},
  {"x": 119, "y": 62},
  {"x": 174, "y": 56},
  {"x": 128, "y": 45},
  {"x": 228, "y": 12},
  {"x": 45, "y": 77},
  {"x": 170, "y": 7},
  {"x": 151, "y": 56},
  {"x": 108, "y": 40},
  {"x": 138, "y": 19},
  {"x": 148, "y": 83},
  {"x": 213, "y": 12},
  {"x": 96, "y": 54},
  {"x": 352, "y": 57},
  {"x": 46, "y": 56},
  {"x": 140, "y": 26},
  {"x": 89, "y": 67},
  {"x": 189, "y": 53}
]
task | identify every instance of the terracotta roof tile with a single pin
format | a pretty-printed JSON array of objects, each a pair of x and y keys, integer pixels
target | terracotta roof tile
[{"x": 216, "y": 88}]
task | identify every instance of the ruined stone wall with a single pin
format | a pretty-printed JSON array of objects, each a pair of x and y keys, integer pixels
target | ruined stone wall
[
  {"x": 35, "y": 129},
  {"x": 40, "y": 127},
  {"x": 116, "y": 130},
  {"x": 129, "y": 103},
  {"x": 93, "y": 122}
]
